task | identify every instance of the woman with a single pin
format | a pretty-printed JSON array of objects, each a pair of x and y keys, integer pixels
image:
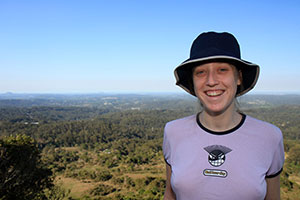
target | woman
[{"x": 220, "y": 153}]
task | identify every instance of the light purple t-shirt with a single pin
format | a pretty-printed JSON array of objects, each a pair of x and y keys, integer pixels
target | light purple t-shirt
[{"x": 229, "y": 165}]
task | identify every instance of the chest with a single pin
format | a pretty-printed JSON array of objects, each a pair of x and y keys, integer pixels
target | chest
[{"x": 220, "y": 167}]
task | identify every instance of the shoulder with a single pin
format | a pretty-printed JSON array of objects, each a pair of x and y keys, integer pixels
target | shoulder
[
  {"x": 179, "y": 123},
  {"x": 179, "y": 130},
  {"x": 269, "y": 130},
  {"x": 180, "y": 127},
  {"x": 257, "y": 123}
]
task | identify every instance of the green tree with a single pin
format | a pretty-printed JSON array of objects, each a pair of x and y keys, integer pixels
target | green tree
[
  {"x": 22, "y": 174},
  {"x": 294, "y": 155}
]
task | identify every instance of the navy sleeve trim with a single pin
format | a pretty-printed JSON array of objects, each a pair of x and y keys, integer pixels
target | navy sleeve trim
[
  {"x": 167, "y": 162},
  {"x": 274, "y": 175}
]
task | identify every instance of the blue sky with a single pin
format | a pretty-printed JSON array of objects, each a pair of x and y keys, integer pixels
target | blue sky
[{"x": 95, "y": 46}]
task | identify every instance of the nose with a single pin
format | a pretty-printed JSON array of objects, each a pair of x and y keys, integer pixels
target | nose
[{"x": 212, "y": 79}]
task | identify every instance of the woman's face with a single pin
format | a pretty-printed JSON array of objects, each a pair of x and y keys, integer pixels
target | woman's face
[{"x": 215, "y": 85}]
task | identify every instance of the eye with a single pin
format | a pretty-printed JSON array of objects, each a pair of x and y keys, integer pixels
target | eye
[
  {"x": 223, "y": 69},
  {"x": 199, "y": 72}
]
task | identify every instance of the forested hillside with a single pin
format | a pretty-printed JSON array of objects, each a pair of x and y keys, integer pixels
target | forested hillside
[{"x": 110, "y": 147}]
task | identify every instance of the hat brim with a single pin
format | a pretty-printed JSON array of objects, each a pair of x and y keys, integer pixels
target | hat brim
[{"x": 250, "y": 72}]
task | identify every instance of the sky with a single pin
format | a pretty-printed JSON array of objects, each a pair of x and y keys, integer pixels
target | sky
[{"x": 92, "y": 46}]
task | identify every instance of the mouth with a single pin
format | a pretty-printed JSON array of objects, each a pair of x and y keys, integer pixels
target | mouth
[{"x": 214, "y": 93}]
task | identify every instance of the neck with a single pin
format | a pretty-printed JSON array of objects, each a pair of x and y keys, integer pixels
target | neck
[{"x": 221, "y": 121}]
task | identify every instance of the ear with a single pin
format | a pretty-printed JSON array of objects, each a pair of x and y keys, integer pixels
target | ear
[{"x": 240, "y": 78}]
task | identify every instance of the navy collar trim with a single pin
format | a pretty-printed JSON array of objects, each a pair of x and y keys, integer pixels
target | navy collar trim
[{"x": 221, "y": 132}]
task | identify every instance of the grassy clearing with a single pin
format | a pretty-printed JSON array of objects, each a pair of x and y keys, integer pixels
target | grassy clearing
[
  {"x": 127, "y": 180},
  {"x": 295, "y": 179},
  {"x": 77, "y": 188}
]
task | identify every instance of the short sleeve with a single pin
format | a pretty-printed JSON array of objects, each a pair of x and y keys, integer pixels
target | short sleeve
[
  {"x": 277, "y": 161},
  {"x": 166, "y": 147}
]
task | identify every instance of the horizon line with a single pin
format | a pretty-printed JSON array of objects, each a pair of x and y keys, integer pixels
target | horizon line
[{"x": 141, "y": 92}]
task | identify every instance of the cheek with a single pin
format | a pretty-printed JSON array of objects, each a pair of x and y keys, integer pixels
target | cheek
[
  {"x": 234, "y": 80},
  {"x": 235, "y": 84},
  {"x": 197, "y": 85}
]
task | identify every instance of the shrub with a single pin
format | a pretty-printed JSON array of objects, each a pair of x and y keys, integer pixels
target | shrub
[
  {"x": 102, "y": 190},
  {"x": 103, "y": 176}
]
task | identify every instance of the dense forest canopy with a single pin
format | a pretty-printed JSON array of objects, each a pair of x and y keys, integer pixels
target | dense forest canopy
[{"x": 111, "y": 145}]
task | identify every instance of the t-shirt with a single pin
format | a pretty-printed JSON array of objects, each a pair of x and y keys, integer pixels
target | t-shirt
[{"x": 222, "y": 165}]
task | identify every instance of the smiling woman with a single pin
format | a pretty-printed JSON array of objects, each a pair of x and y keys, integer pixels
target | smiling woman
[
  {"x": 215, "y": 84},
  {"x": 219, "y": 147}
]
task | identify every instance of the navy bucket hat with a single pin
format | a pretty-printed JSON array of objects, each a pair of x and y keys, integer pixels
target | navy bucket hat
[{"x": 216, "y": 47}]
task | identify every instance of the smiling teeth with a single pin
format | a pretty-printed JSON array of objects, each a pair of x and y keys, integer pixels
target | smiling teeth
[{"x": 213, "y": 93}]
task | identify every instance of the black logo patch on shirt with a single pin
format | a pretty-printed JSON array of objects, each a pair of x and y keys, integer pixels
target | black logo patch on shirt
[{"x": 216, "y": 154}]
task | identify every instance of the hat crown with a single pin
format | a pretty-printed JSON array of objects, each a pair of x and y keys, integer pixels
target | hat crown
[{"x": 215, "y": 44}]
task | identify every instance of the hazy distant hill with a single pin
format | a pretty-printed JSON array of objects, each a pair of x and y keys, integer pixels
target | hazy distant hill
[
  {"x": 134, "y": 101},
  {"x": 270, "y": 99}
]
